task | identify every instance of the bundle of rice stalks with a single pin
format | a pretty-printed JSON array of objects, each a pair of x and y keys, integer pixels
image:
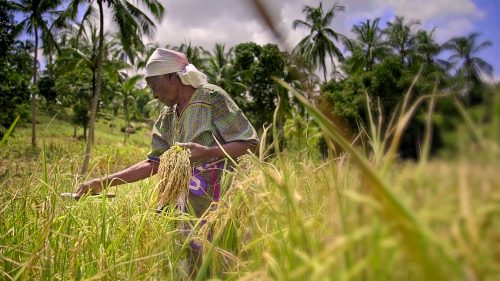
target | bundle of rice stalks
[{"x": 173, "y": 175}]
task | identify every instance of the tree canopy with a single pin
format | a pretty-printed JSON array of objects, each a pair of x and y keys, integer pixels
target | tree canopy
[{"x": 91, "y": 71}]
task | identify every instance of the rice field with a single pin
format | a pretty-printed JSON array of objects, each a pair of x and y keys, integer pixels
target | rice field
[{"x": 356, "y": 215}]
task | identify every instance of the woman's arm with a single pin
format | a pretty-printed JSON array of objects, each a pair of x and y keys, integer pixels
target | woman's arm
[
  {"x": 234, "y": 149},
  {"x": 136, "y": 172},
  {"x": 146, "y": 168}
]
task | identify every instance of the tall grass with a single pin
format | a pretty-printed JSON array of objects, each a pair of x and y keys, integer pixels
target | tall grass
[
  {"x": 354, "y": 216},
  {"x": 9, "y": 131},
  {"x": 350, "y": 218}
]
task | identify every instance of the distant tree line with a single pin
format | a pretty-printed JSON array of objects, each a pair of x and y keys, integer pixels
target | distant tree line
[{"x": 91, "y": 72}]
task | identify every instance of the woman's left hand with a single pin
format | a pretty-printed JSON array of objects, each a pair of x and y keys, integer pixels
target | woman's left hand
[{"x": 198, "y": 151}]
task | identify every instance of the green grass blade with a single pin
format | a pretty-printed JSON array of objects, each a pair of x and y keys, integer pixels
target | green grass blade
[
  {"x": 418, "y": 238},
  {"x": 9, "y": 131}
]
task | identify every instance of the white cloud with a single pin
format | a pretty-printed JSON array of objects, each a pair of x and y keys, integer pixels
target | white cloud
[
  {"x": 234, "y": 21},
  {"x": 453, "y": 28},
  {"x": 491, "y": 79},
  {"x": 433, "y": 9},
  {"x": 204, "y": 23},
  {"x": 450, "y": 17}
]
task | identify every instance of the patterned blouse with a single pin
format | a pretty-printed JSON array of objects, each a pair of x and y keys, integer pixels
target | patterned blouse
[{"x": 210, "y": 114}]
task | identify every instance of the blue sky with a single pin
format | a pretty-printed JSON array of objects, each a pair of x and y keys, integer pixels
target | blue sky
[
  {"x": 232, "y": 21},
  {"x": 489, "y": 26},
  {"x": 205, "y": 23},
  {"x": 485, "y": 19}
]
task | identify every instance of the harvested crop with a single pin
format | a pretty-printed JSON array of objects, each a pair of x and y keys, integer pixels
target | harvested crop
[{"x": 173, "y": 175}]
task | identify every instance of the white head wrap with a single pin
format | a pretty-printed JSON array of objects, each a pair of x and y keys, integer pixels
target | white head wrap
[{"x": 164, "y": 61}]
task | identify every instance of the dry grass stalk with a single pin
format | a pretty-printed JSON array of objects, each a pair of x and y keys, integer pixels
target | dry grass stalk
[{"x": 173, "y": 175}]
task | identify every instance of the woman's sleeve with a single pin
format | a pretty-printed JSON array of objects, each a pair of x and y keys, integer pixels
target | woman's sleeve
[
  {"x": 229, "y": 120},
  {"x": 158, "y": 143}
]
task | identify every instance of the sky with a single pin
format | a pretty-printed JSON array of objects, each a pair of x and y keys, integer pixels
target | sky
[{"x": 204, "y": 23}]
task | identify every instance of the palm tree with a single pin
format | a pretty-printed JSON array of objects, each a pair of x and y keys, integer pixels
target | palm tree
[
  {"x": 38, "y": 21},
  {"x": 220, "y": 70},
  {"x": 426, "y": 47},
  {"x": 368, "y": 47},
  {"x": 81, "y": 53},
  {"x": 401, "y": 37},
  {"x": 302, "y": 76},
  {"x": 131, "y": 23},
  {"x": 318, "y": 44},
  {"x": 154, "y": 106},
  {"x": 195, "y": 55},
  {"x": 127, "y": 95},
  {"x": 426, "y": 53},
  {"x": 145, "y": 54},
  {"x": 218, "y": 62},
  {"x": 464, "y": 52}
]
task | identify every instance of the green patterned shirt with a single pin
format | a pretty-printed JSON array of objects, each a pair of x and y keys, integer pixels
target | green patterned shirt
[{"x": 210, "y": 114}]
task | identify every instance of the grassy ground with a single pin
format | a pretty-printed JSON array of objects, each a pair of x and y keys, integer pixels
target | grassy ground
[{"x": 289, "y": 217}]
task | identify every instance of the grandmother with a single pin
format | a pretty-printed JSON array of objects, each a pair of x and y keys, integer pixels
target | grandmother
[{"x": 198, "y": 116}]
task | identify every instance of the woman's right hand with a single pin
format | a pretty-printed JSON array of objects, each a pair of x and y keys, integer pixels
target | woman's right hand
[{"x": 92, "y": 187}]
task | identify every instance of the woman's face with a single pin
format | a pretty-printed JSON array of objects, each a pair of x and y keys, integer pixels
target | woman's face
[{"x": 164, "y": 88}]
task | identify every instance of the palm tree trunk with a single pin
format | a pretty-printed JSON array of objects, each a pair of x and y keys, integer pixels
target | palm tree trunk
[
  {"x": 127, "y": 122},
  {"x": 97, "y": 91},
  {"x": 33, "y": 92},
  {"x": 323, "y": 65}
]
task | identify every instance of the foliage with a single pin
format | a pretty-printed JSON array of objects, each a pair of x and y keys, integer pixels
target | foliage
[
  {"x": 47, "y": 87},
  {"x": 131, "y": 23},
  {"x": 41, "y": 16},
  {"x": 40, "y": 19},
  {"x": 73, "y": 86},
  {"x": 74, "y": 90},
  {"x": 464, "y": 52},
  {"x": 389, "y": 219},
  {"x": 275, "y": 219},
  {"x": 144, "y": 56},
  {"x": 367, "y": 48},
  {"x": 481, "y": 118},
  {"x": 388, "y": 82},
  {"x": 301, "y": 74},
  {"x": 303, "y": 136},
  {"x": 14, "y": 94},
  {"x": 386, "y": 85},
  {"x": 426, "y": 48},
  {"x": 81, "y": 116},
  {"x": 256, "y": 65},
  {"x": 221, "y": 71},
  {"x": 15, "y": 72},
  {"x": 9, "y": 131},
  {"x": 318, "y": 44},
  {"x": 401, "y": 37},
  {"x": 195, "y": 54},
  {"x": 348, "y": 99},
  {"x": 142, "y": 102},
  {"x": 6, "y": 28},
  {"x": 127, "y": 95},
  {"x": 82, "y": 52}
]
